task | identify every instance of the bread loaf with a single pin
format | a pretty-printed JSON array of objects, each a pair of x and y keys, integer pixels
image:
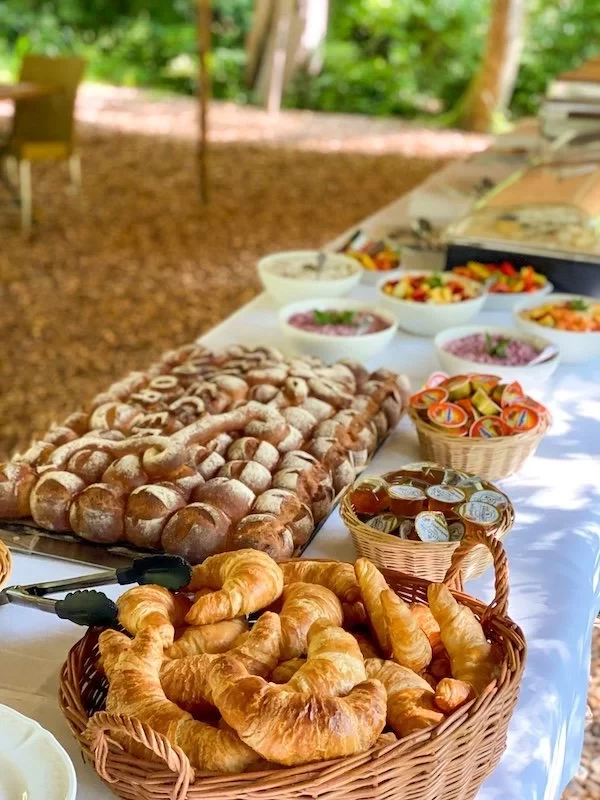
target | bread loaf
[
  {"x": 252, "y": 474},
  {"x": 263, "y": 532},
  {"x": 148, "y": 509},
  {"x": 98, "y": 513},
  {"x": 196, "y": 531},
  {"x": 51, "y": 499},
  {"x": 229, "y": 495}
]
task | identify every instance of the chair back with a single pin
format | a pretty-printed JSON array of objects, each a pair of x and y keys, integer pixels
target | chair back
[{"x": 49, "y": 118}]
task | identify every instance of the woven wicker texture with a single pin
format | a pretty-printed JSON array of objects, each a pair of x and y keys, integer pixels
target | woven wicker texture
[
  {"x": 5, "y": 563},
  {"x": 448, "y": 762},
  {"x": 489, "y": 458},
  {"x": 428, "y": 560}
]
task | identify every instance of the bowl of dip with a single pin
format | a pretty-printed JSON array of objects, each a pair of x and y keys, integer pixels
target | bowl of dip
[
  {"x": 506, "y": 352},
  {"x": 294, "y": 275},
  {"x": 337, "y": 328}
]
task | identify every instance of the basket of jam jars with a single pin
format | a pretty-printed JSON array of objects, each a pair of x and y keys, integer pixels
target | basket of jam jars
[
  {"x": 477, "y": 424},
  {"x": 413, "y": 519}
]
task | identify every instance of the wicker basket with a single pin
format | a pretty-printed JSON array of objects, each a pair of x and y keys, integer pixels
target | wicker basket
[
  {"x": 489, "y": 458},
  {"x": 5, "y": 563},
  {"x": 448, "y": 762},
  {"x": 428, "y": 560}
]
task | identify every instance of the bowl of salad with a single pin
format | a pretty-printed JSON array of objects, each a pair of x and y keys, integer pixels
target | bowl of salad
[
  {"x": 571, "y": 322},
  {"x": 337, "y": 328},
  {"x": 426, "y": 303},
  {"x": 506, "y": 284}
]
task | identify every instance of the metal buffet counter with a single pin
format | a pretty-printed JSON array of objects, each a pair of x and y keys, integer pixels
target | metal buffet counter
[{"x": 554, "y": 549}]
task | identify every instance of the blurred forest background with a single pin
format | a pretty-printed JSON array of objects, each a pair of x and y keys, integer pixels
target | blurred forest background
[{"x": 412, "y": 58}]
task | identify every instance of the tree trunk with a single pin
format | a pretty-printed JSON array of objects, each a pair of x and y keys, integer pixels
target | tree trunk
[
  {"x": 492, "y": 87},
  {"x": 285, "y": 35}
]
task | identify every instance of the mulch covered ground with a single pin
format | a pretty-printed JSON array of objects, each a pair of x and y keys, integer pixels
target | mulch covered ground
[{"x": 135, "y": 266}]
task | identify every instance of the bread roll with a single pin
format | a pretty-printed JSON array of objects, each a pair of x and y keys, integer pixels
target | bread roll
[
  {"x": 263, "y": 393},
  {"x": 317, "y": 408},
  {"x": 37, "y": 454},
  {"x": 321, "y": 502},
  {"x": 250, "y": 473},
  {"x": 90, "y": 464},
  {"x": 51, "y": 499},
  {"x": 300, "y": 419},
  {"x": 148, "y": 509},
  {"x": 229, "y": 495},
  {"x": 304, "y": 482},
  {"x": 330, "y": 392},
  {"x": 119, "y": 416},
  {"x": 275, "y": 376},
  {"x": 263, "y": 532},
  {"x": 16, "y": 483},
  {"x": 248, "y": 448},
  {"x": 60, "y": 434},
  {"x": 335, "y": 459},
  {"x": 97, "y": 514},
  {"x": 78, "y": 421},
  {"x": 195, "y": 532},
  {"x": 292, "y": 441},
  {"x": 126, "y": 473},
  {"x": 236, "y": 388},
  {"x": 288, "y": 508},
  {"x": 210, "y": 464}
]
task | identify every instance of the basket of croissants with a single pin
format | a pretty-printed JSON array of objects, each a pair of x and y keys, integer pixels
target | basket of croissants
[
  {"x": 5, "y": 563},
  {"x": 316, "y": 679}
]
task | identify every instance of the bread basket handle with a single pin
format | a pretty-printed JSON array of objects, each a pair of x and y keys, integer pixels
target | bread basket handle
[
  {"x": 103, "y": 723},
  {"x": 499, "y": 605}
]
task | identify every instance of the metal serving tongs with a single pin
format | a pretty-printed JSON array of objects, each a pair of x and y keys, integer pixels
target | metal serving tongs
[{"x": 85, "y": 606}]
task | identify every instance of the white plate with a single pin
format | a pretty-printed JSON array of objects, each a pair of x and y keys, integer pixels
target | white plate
[
  {"x": 506, "y": 302},
  {"x": 33, "y": 765}
]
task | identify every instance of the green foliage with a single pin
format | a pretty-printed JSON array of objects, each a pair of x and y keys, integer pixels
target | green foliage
[{"x": 405, "y": 57}]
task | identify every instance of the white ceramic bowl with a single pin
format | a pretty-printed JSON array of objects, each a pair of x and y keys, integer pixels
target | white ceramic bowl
[
  {"x": 332, "y": 348},
  {"x": 288, "y": 289},
  {"x": 575, "y": 347},
  {"x": 528, "y": 376},
  {"x": 505, "y": 302},
  {"x": 427, "y": 319}
]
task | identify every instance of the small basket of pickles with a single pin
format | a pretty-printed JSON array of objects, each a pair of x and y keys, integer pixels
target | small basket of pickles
[
  {"x": 414, "y": 518},
  {"x": 477, "y": 424}
]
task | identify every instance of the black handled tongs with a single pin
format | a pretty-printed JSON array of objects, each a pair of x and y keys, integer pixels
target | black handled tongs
[{"x": 85, "y": 606}]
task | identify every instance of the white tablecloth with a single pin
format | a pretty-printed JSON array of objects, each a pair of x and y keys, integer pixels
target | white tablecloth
[{"x": 554, "y": 554}]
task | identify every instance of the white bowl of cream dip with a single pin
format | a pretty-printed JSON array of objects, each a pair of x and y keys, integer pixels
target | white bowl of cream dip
[{"x": 294, "y": 275}]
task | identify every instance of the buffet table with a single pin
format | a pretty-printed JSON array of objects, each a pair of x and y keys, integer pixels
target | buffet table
[{"x": 554, "y": 555}]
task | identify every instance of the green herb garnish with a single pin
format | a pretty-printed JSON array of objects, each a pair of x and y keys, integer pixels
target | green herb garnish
[
  {"x": 498, "y": 349},
  {"x": 435, "y": 280},
  {"x": 334, "y": 317},
  {"x": 578, "y": 305}
]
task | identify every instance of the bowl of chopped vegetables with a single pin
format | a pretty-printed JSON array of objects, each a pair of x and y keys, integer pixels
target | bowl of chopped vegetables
[
  {"x": 569, "y": 321},
  {"x": 510, "y": 353},
  {"x": 334, "y": 328},
  {"x": 507, "y": 284},
  {"x": 426, "y": 303}
]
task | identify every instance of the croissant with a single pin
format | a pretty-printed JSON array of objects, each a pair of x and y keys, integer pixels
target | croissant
[
  {"x": 216, "y": 638},
  {"x": 303, "y": 604},
  {"x": 290, "y": 727},
  {"x": 338, "y": 577},
  {"x": 410, "y": 704},
  {"x": 372, "y": 584},
  {"x": 155, "y": 607},
  {"x": 428, "y": 624},
  {"x": 135, "y": 690},
  {"x": 451, "y": 694},
  {"x": 247, "y": 581},
  {"x": 334, "y": 662},
  {"x": 410, "y": 646},
  {"x": 287, "y": 669},
  {"x": 471, "y": 655},
  {"x": 111, "y": 644}
]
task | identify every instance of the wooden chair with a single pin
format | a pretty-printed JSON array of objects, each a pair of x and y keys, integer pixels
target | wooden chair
[{"x": 43, "y": 127}]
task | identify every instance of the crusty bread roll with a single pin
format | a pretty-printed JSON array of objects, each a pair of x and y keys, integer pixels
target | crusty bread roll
[
  {"x": 195, "y": 532},
  {"x": 304, "y": 482},
  {"x": 263, "y": 532},
  {"x": 119, "y": 416},
  {"x": 127, "y": 473},
  {"x": 263, "y": 393},
  {"x": 98, "y": 513},
  {"x": 319, "y": 409},
  {"x": 300, "y": 419},
  {"x": 248, "y": 448},
  {"x": 236, "y": 388},
  {"x": 16, "y": 482},
  {"x": 51, "y": 499},
  {"x": 60, "y": 434},
  {"x": 335, "y": 394},
  {"x": 291, "y": 441},
  {"x": 210, "y": 464},
  {"x": 229, "y": 495},
  {"x": 275, "y": 376},
  {"x": 250, "y": 473},
  {"x": 220, "y": 444},
  {"x": 289, "y": 509},
  {"x": 148, "y": 509},
  {"x": 335, "y": 459},
  {"x": 38, "y": 453},
  {"x": 78, "y": 421},
  {"x": 90, "y": 464}
]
